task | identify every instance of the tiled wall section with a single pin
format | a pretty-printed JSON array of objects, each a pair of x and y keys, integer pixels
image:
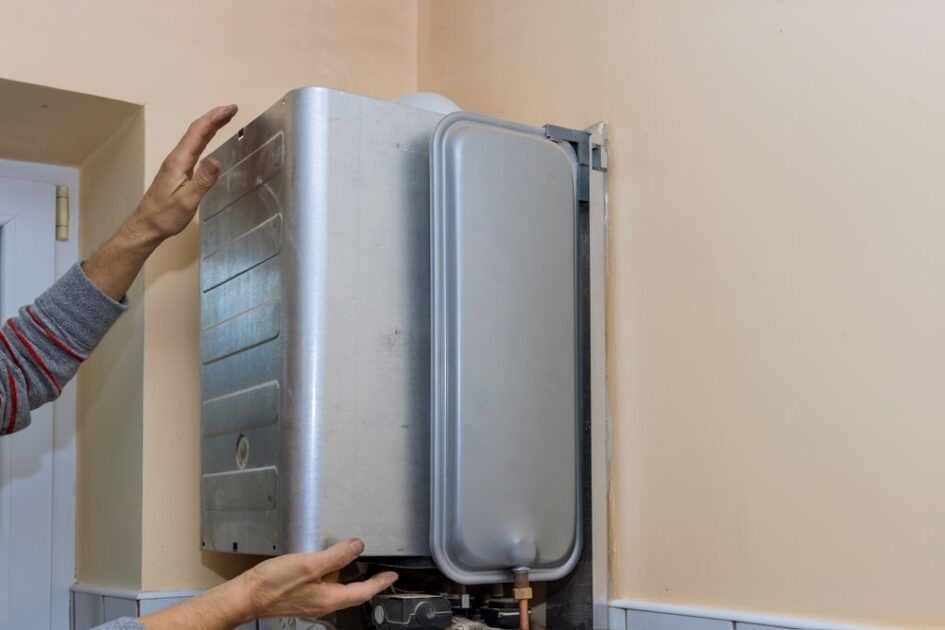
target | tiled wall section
[
  {"x": 643, "y": 620},
  {"x": 92, "y": 607},
  {"x": 631, "y": 619}
]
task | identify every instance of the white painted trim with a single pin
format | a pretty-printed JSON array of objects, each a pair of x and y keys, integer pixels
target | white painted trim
[
  {"x": 741, "y": 616},
  {"x": 129, "y": 594},
  {"x": 64, "y": 408},
  {"x": 43, "y": 173},
  {"x": 64, "y": 439}
]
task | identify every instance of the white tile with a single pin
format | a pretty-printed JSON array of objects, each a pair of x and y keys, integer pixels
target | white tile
[
  {"x": 154, "y": 604},
  {"x": 118, "y": 607},
  {"x": 616, "y": 618},
  {"x": 87, "y": 611},
  {"x": 755, "y": 626},
  {"x": 644, "y": 620}
]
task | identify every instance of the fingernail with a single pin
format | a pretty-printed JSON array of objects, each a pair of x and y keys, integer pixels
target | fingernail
[
  {"x": 390, "y": 577},
  {"x": 212, "y": 166},
  {"x": 225, "y": 112},
  {"x": 356, "y": 546}
]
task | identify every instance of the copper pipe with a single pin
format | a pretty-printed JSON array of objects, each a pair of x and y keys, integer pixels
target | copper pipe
[
  {"x": 523, "y": 614},
  {"x": 522, "y": 591}
]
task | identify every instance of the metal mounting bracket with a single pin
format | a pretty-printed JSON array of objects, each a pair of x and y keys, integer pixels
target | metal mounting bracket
[{"x": 590, "y": 155}]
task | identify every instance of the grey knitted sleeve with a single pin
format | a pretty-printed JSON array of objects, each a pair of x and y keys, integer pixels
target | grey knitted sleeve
[
  {"x": 43, "y": 345},
  {"x": 125, "y": 623}
]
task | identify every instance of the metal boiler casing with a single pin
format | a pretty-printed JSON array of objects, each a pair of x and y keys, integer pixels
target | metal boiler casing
[
  {"x": 390, "y": 359},
  {"x": 315, "y": 328}
]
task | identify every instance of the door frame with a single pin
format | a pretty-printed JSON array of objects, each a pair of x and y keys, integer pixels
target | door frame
[{"x": 62, "y": 569}]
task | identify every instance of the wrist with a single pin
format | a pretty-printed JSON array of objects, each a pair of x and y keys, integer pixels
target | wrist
[
  {"x": 223, "y": 607},
  {"x": 241, "y": 599},
  {"x": 137, "y": 234}
]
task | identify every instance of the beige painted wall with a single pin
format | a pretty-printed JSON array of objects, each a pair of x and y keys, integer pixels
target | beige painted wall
[
  {"x": 775, "y": 330},
  {"x": 178, "y": 58},
  {"x": 109, "y": 431}
]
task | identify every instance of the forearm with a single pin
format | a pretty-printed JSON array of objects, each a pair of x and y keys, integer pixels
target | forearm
[
  {"x": 222, "y": 608},
  {"x": 115, "y": 265},
  {"x": 42, "y": 346}
]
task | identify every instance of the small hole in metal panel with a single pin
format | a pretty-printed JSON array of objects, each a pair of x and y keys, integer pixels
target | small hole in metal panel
[
  {"x": 239, "y": 134},
  {"x": 242, "y": 451},
  {"x": 236, "y": 546}
]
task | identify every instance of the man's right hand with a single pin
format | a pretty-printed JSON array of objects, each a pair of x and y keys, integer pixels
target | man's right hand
[
  {"x": 306, "y": 584},
  {"x": 171, "y": 200},
  {"x": 167, "y": 207}
]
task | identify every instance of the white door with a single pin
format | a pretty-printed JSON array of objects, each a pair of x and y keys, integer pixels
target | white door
[{"x": 35, "y": 497}]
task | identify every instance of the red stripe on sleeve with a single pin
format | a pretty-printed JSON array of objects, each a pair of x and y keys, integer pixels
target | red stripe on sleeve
[
  {"x": 6, "y": 344},
  {"x": 59, "y": 343},
  {"x": 11, "y": 426},
  {"x": 38, "y": 360}
]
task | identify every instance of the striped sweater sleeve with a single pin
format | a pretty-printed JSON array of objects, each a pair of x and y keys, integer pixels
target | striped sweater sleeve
[{"x": 43, "y": 345}]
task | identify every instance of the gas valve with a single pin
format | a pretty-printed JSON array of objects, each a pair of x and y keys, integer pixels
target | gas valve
[{"x": 419, "y": 612}]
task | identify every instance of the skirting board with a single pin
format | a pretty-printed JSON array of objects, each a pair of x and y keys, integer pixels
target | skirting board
[{"x": 642, "y": 615}]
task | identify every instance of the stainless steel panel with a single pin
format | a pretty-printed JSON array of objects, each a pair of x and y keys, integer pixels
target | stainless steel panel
[
  {"x": 348, "y": 345},
  {"x": 244, "y": 490},
  {"x": 259, "y": 404},
  {"x": 244, "y": 252},
  {"x": 505, "y": 470},
  {"x": 255, "y": 169},
  {"x": 220, "y": 449},
  {"x": 245, "y": 330}
]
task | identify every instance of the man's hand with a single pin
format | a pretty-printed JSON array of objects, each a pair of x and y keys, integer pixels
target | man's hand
[
  {"x": 171, "y": 201},
  {"x": 306, "y": 585},
  {"x": 295, "y": 585},
  {"x": 166, "y": 208}
]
